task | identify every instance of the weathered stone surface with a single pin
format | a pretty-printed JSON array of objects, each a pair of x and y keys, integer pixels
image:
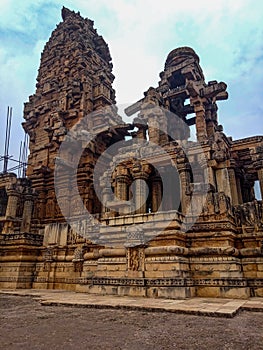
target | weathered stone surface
[{"x": 206, "y": 236}]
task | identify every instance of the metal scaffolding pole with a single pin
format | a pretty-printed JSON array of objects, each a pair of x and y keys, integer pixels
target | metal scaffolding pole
[{"x": 7, "y": 138}]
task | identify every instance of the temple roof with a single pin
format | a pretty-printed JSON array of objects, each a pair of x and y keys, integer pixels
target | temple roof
[{"x": 180, "y": 52}]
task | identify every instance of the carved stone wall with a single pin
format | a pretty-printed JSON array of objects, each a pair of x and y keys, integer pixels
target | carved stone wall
[{"x": 213, "y": 242}]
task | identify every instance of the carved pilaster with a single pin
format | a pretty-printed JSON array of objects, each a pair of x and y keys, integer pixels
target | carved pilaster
[
  {"x": 78, "y": 259},
  {"x": 122, "y": 179},
  {"x": 233, "y": 185},
  {"x": 140, "y": 175},
  {"x": 156, "y": 193},
  {"x": 223, "y": 181},
  {"x": 11, "y": 210},
  {"x": 106, "y": 193},
  {"x": 12, "y": 203},
  {"x": 140, "y": 194},
  {"x": 185, "y": 183},
  {"x": 209, "y": 123},
  {"x": 201, "y": 132},
  {"x": 27, "y": 213},
  {"x": 122, "y": 187}
]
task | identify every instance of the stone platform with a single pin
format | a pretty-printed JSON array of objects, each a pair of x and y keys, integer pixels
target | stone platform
[{"x": 215, "y": 307}]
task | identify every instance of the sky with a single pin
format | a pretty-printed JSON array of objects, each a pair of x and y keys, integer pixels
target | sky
[{"x": 227, "y": 36}]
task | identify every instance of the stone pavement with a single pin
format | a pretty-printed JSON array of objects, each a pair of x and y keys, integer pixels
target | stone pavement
[{"x": 217, "y": 307}]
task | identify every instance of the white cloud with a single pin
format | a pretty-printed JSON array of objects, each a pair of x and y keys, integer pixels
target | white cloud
[{"x": 226, "y": 35}]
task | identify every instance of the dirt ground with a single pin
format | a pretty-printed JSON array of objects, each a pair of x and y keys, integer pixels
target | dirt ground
[{"x": 25, "y": 324}]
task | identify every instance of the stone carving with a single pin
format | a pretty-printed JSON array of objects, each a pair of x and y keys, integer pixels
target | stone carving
[
  {"x": 78, "y": 254},
  {"x": 135, "y": 236},
  {"x": 249, "y": 214},
  {"x": 78, "y": 259},
  {"x": 48, "y": 258},
  {"x": 221, "y": 151},
  {"x": 135, "y": 259},
  {"x": 48, "y": 254},
  {"x": 210, "y": 244}
]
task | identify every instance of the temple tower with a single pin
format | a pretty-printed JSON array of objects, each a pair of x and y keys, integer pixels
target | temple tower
[{"x": 74, "y": 79}]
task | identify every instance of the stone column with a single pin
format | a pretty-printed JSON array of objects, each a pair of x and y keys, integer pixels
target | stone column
[
  {"x": 233, "y": 186},
  {"x": 156, "y": 194},
  {"x": 11, "y": 210},
  {"x": 209, "y": 172},
  {"x": 140, "y": 174},
  {"x": 122, "y": 187},
  {"x": 211, "y": 177},
  {"x": 185, "y": 183},
  {"x": 210, "y": 127},
  {"x": 157, "y": 127},
  {"x": 201, "y": 132},
  {"x": 121, "y": 183},
  {"x": 41, "y": 204},
  {"x": 153, "y": 130},
  {"x": 27, "y": 213},
  {"x": 223, "y": 181},
  {"x": 106, "y": 192},
  {"x": 12, "y": 203},
  {"x": 140, "y": 193}
]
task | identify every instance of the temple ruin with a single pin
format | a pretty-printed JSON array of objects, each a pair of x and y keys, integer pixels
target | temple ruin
[{"x": 165, "y": 215}]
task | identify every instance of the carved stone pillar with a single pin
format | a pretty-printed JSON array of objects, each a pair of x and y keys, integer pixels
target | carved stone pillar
[
  {"x": 41, "y": 210},
  {"x": 209, "y": 122},
  {"x": 233, "y": 186},
  {"x": 201, "y": 132},
  {"x": 209, "y": 172},
  {"x": 153, "y": 130},
  {"x": 156, "y": 193},
  {"x": 122, "y": 180},
  {"x": 106, "y": 192},
  {"x": 122, "y": 187},
  {"x": 27, "y": 213},
  {"x": 185, "y": 183},
  {"x": 12, "y": 203},
  {"x": 223, "y": 181},
  {"x": 140, "y": 193},
  {"x": 157, "y": 128},
  {"x": 140, "y": 175},
  {"x": 11, "y": 210},
  {"x": 211, "y": 177}
]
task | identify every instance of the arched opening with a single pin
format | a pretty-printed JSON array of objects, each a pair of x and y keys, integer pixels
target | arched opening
[{"x": 176, "y": 80}]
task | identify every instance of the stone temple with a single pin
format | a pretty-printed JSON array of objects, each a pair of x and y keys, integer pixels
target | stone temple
[{"x": 138, "y": 208}]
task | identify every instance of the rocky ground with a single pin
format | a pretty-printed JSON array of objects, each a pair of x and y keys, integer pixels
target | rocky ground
[{"x": 25, "y": 324}]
